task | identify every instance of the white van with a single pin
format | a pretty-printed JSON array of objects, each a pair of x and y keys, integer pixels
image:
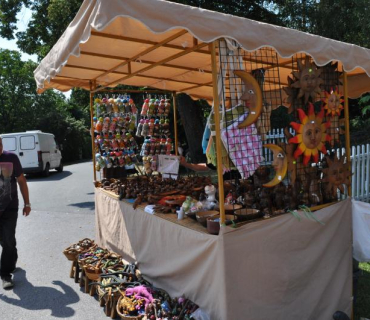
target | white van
[{"x": 36, "y": 150}]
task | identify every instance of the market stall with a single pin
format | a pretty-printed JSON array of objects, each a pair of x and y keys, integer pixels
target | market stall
[{"x": 247, "y": 69}]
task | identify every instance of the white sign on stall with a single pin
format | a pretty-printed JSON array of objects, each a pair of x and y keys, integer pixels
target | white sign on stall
[{"x": 168, "y": 166}]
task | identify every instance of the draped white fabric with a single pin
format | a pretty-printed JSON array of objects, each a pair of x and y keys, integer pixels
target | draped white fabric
[{"x": 279, "y": 269}]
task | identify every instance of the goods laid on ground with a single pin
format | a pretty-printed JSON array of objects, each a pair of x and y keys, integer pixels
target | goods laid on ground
[{"x": 122, "y": 290}]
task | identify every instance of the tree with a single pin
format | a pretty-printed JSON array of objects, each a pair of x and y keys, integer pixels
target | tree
[
  {"x": 8, "y": 16},
  {"x": 23, "y": 109}
]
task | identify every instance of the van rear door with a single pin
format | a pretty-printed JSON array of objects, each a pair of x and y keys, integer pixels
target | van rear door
[{"x": 28, "y": 151}]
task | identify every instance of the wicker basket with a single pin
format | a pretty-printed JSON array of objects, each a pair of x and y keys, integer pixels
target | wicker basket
[
  {"x": 92, "y": 273},
  {"x": 72, "y": 253},
  {"x": 70, "y": 256},
  {"x": 104, "y": 295},
  {"x": 126, "y": 317}
]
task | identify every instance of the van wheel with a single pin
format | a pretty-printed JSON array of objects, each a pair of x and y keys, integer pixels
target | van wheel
[
  {"x": 46, "y": 171},
  {"x": 60, "y": 168}
]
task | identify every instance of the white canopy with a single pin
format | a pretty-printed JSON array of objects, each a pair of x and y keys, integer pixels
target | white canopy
[{"x": 164, "y": 45}]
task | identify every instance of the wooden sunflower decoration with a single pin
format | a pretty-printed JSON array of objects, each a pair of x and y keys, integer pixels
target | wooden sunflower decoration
[
  {"x": 330, "y": 76},
  {"x": 310, "y": 134},
  {"x": 308, "y": 80},
  {"x": 333, "y": 103},
  {"x": 336, "y": 175}
]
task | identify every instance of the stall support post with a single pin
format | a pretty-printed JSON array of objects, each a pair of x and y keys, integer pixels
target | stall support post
[
  {"x": 175, "y": 122},
  {"x": 92, "y": 88},
  {"x": 348, "y": 152},
  {"x": 216, "y": 111},
  {"x": 346, "y": 117}
]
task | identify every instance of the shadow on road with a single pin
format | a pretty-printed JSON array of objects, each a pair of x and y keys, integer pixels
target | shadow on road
[
  {"x": 54, "y": 176},
  {"x": 84, "y": 205},
  {"x": 42, "y": 298}
]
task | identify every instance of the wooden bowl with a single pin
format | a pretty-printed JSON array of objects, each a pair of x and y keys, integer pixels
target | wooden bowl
[
  {"x": 202, "y": 216},
  {"x": 230, "y": 208},
  {"x": 246, "y": 214}
]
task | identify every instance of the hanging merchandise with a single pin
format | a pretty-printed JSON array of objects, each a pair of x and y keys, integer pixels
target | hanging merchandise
[
  {"x": 311, "y": 134},
  {"x": 307, "y": 80},
  {"x": 114, "y": 129},
  {"x": 333, "y": 102},
  {"x": 336, "y": 175},
  {"x": 154, "y": 126}
]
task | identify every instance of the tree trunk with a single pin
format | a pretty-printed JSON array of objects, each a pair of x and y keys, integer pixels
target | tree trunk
[{"x": 192, "y": 121}]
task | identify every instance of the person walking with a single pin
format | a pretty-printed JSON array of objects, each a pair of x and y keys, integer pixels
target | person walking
[{"x": 11, "y": 173}]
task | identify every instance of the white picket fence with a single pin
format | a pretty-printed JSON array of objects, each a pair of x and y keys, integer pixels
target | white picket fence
[
  {"x": 360, "y": 157},
  {"x": 360, "y": 161}
]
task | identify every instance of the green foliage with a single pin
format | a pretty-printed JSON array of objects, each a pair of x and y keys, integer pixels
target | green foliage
[
  {"x": 364, "y": 102},
  {"x": 8, "y": 16},
  {"x": 362, "y": 306},
  {"x": 252, "y": 9},
  {"x": 343, "y": 20},
  {"x": 49, "y": 20},
  {"x": 23, "y": 109}
]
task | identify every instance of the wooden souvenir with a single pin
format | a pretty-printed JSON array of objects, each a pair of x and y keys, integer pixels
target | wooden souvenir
[
  {"x": 311, "y": 134},
  {"x": 336, "y": 175},
  {"x": 330, "y": 76},
  {"x": 333, "y": 103},
  {"x": 307, "y": 80},
  {"x": 252, "y": 96},
  {"x": 280, "y": 164}
]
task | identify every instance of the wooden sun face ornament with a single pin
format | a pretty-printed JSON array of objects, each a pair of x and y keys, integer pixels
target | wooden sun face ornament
[
  {"x": 311, "y": 134},
  {"x": 333, "y": 103},
  {"x": 308, "y": 80},
  {"x": 336, "y": 175},
  {"x": 280, "y": 164},
  {"x": 252, "y": 97}
]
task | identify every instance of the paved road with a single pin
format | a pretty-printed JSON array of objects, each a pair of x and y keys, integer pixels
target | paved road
[{"x": 62, "y": 213}]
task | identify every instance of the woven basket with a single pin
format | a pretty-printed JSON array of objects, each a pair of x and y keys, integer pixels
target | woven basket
[
  {"x": 102, "y": 294},
  {"x": 92, "y": 273},
  {"x": 70, "y": 256},
  {"x": 126, "y": 317}
]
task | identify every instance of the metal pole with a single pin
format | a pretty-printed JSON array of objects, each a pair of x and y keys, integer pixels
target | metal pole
[
  {"x": 347, "y": 136},
  {"x": 92, "y": 87},
  {"x": 175, "y": 122},
  {"x": 348, "y": 152},
  {"x": 216, "y": 111}
]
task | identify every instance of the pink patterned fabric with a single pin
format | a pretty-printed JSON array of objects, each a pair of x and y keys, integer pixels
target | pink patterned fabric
[{"x": 244, "y": 146}]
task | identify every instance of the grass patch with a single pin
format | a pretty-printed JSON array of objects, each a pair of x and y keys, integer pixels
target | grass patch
[{"x": 362, "y": 305}]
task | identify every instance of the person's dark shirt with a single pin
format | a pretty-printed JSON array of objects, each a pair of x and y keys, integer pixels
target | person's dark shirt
[
  {"x": 228, "y": 175},
  {"x": 10, "y": 169}
]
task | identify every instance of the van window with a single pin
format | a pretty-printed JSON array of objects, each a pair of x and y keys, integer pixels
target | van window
[
  {"x": 27, "y": 143},
  {"x": 9, "y": 143}
]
